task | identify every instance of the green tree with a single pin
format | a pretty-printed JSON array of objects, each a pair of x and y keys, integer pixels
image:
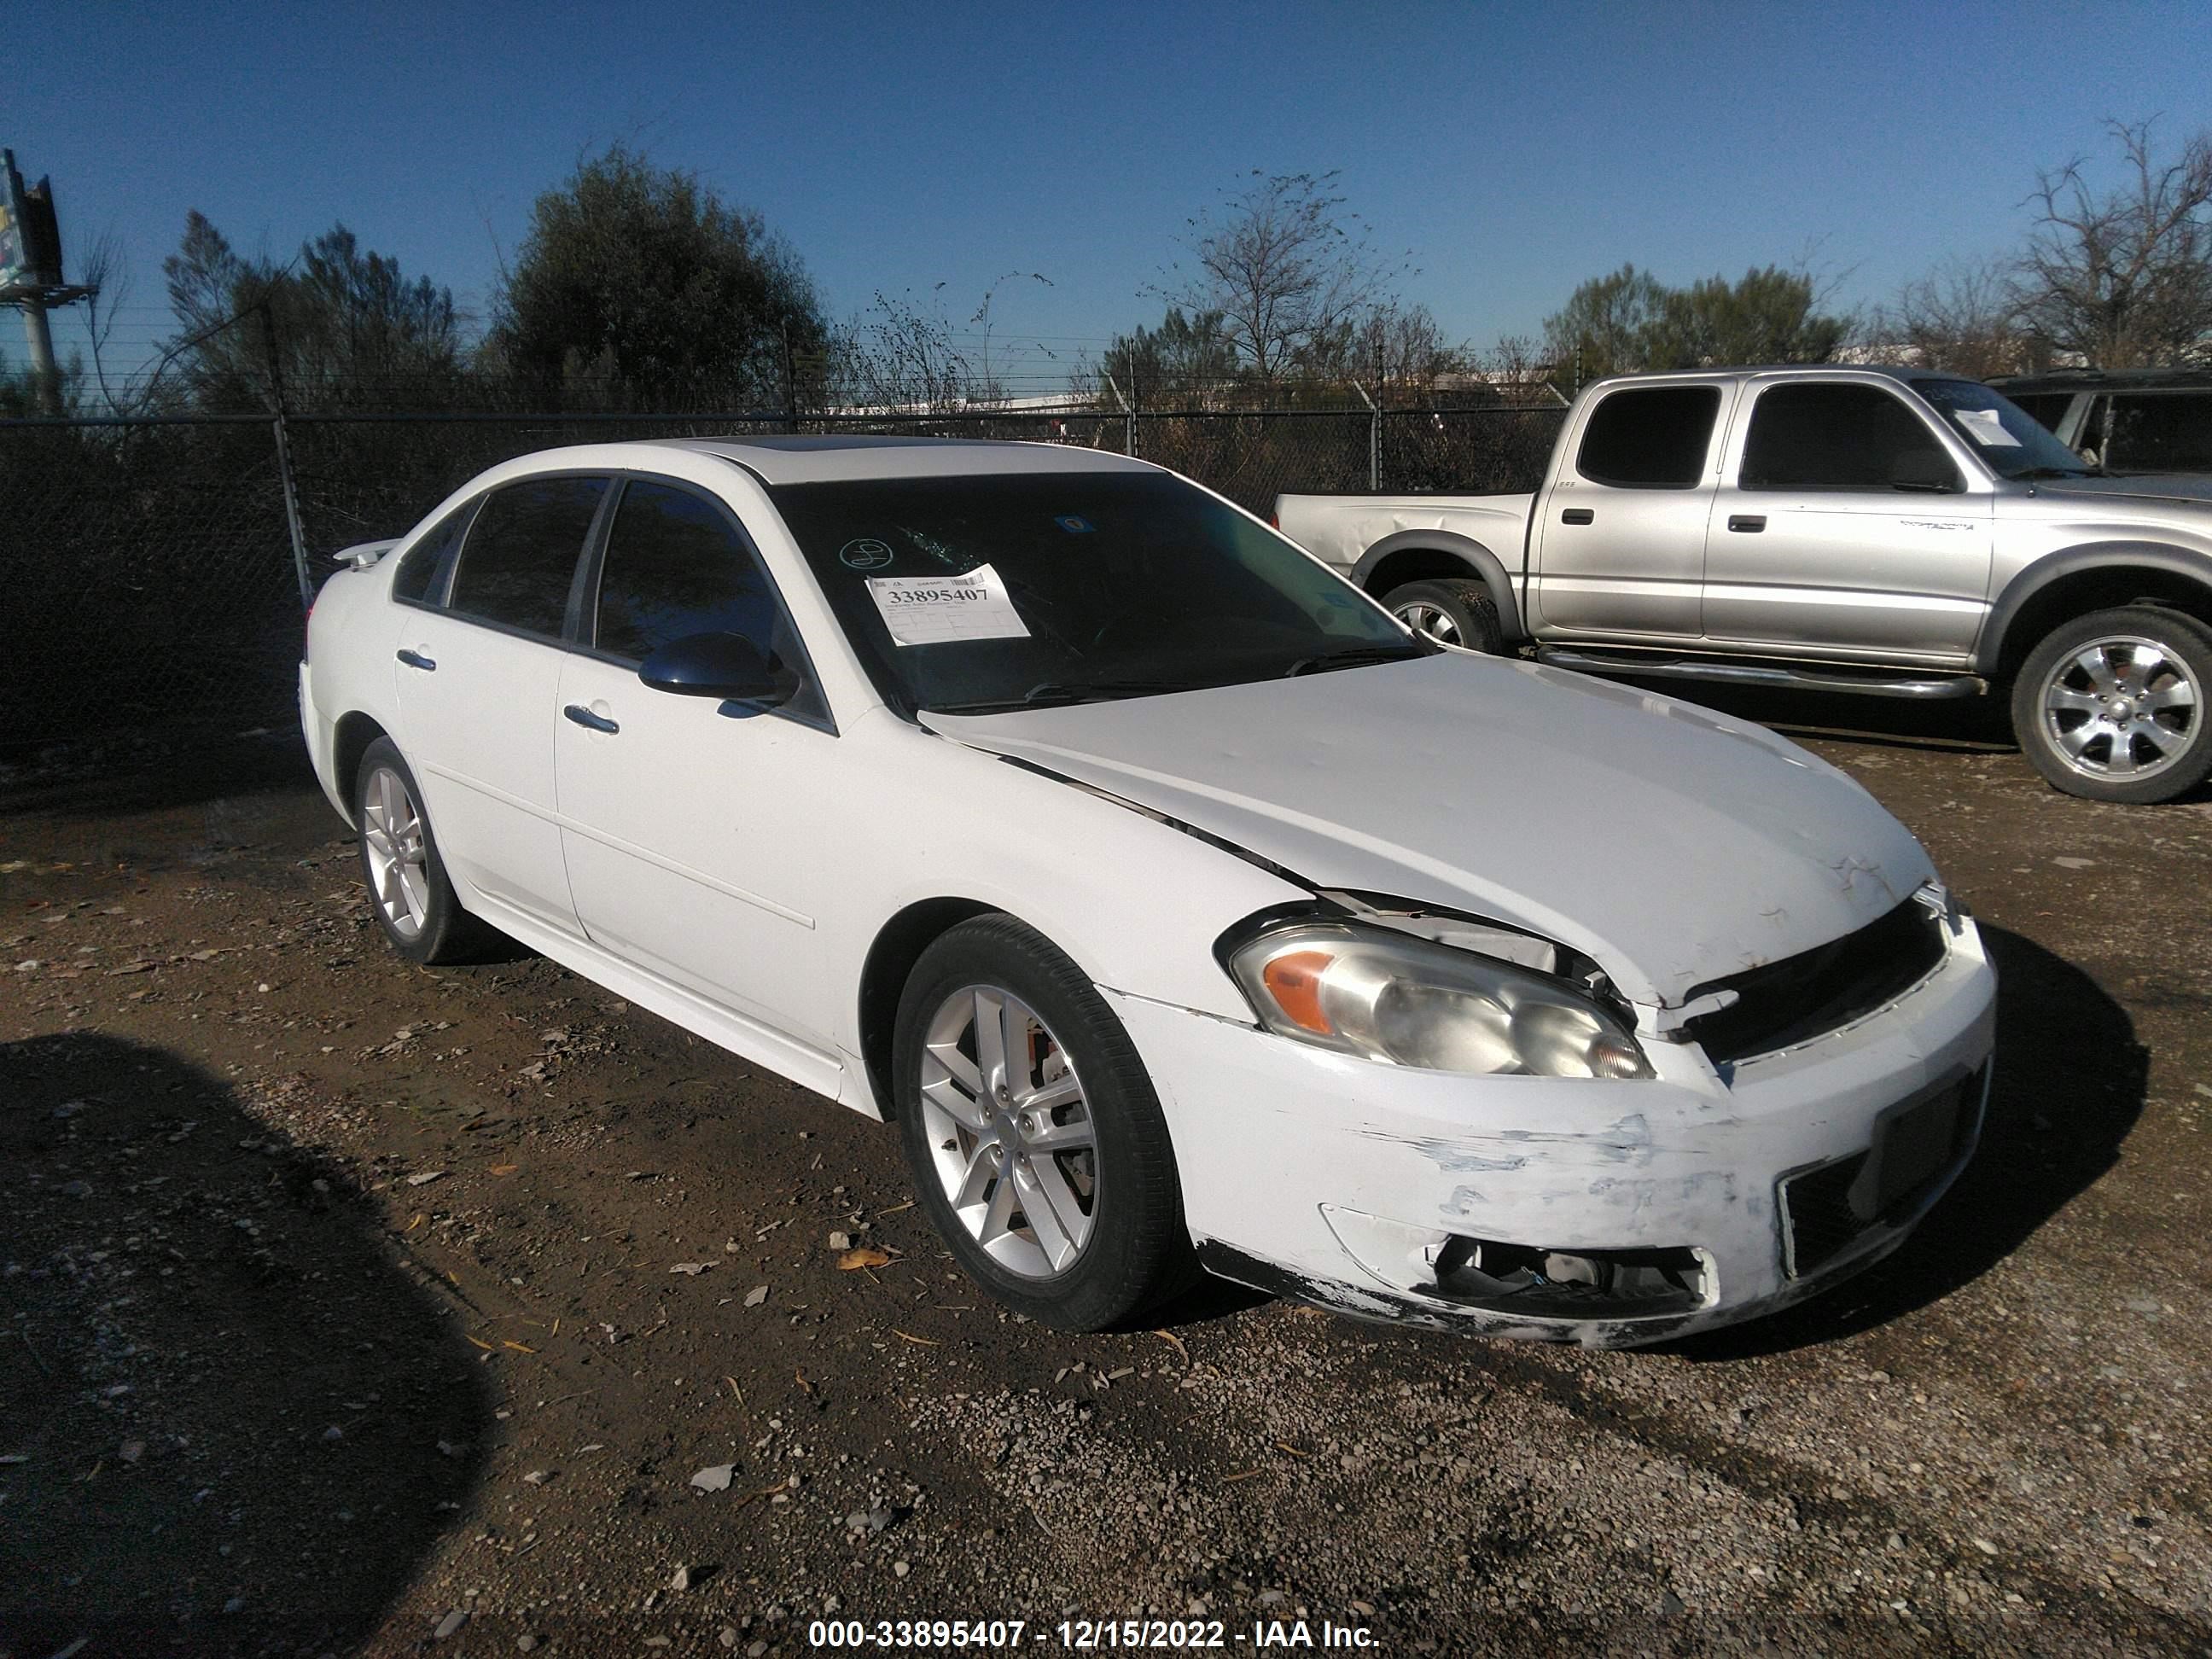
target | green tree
[
  {"x": 1179, "y": 361},
  {"x": 637, "y": 283},
  {"x": 351, "y": 330},
  {"x": 1629, "y": 320},
  {"x": 1602, "y": 328}
]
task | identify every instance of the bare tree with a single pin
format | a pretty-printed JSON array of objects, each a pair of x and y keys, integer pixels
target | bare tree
[
  {"x": 106, "y": 273},
  {"x": 1962, "y": 316},
  {"x": 1287, "y": 268},
  {"x": 898, "y": 354},
  {"x": 2124, "y": 278}
]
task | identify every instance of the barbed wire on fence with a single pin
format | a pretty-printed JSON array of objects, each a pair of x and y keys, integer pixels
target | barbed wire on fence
[{"x": 153, "y": 588}]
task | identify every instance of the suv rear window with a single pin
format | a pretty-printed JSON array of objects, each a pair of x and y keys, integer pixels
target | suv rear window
[
  {"x": 1650, "y": 437},
  {"x": 522, "y": 552}
]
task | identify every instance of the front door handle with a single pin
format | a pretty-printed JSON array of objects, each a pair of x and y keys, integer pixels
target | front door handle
[
  {"x": 416, "y": 659},
  {"x": 1748, "y": 521},
  {"x": 584, "y": 717},
  {"x": 1576, "y": 515}
]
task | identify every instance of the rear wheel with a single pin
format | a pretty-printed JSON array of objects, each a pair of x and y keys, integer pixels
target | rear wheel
[
  {"x": 408, "y": 893},
  {"x": 2112, "y": 706},
  {"x": 1451, "y": 611},
  {"x": 1035, "y": 1137}
]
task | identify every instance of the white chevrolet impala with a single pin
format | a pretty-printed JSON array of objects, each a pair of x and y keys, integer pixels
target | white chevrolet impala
[{"x": 1179, "y": 907}]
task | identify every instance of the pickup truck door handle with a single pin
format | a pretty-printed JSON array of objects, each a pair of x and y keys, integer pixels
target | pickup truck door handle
[
  {"x": 416, "y": 659},
  {"x": 1746, "y": 522},
  {"x": 1576, "y": 515},
  {"x": 584, "y": 716}
]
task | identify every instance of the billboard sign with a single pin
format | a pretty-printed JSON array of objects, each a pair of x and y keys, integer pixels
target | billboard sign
[{"x": 30, "y": 240}]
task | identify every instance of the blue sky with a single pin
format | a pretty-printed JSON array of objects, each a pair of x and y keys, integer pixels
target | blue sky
[{"x": 1514, "y": 150}]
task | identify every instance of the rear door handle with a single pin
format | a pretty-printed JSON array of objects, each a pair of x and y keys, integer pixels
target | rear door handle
[
  {"x": 1746, "y": 522},
  {"x": 1576, "y": 515},
  {"x": 584, "y": 716},
  {"x": 416, "y": 659}
]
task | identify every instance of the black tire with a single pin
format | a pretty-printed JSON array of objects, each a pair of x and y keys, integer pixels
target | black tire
[
  {"x": 2167, "y": 750},
  {"x": 1137, "y": 1251},
  {"x": 442, "y": 930},
  {"x": 1451, "y": 611}
]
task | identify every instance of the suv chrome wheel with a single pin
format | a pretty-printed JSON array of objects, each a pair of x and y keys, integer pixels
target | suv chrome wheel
[
  {"x": 1010, "y": 1131},
  {"x": 2124, "y": 708},
  {"x": 396, "y": 853}
]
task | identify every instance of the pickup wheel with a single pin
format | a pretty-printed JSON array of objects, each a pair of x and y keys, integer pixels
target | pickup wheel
[
  {"x": 1451, "y": 611},
  {"x": 2112, "y": 706}
]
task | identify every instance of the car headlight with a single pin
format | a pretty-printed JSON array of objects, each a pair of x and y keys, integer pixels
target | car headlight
[{"x": 1406, "y": 1001}]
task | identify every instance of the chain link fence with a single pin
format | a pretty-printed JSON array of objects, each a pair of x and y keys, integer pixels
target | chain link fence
[{"x": 154, "y": 589}]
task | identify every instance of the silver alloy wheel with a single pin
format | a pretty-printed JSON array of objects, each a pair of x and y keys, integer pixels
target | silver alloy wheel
[
  {"x": 398, "y": 858},
  {"x": 1010, "y": 1131},
  {"x": 2121, "y": 707},
  {"x": 1433, "y": 620}
]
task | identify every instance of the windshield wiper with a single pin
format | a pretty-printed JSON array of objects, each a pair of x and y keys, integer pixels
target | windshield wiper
[
  {"x": 1396, "y": 651},
  {"x": 1052, "y": 694}
]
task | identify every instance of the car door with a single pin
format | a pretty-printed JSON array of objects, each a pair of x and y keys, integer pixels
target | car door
[
  {"x": 479, "y": 668},
  {"x": 1844, "y": 525},
  {"x": 694, "y": 827},
  {"x": 1620, "y": 540}
]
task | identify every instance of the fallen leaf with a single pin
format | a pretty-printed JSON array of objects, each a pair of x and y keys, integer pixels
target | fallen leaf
[
  {"x": 690, "y": 1269},
  {"x": 868, "y": 1256},
  {"x": 804, "y": 1387},
  {"x": 908, "y": 1336},
  {"x": 486, "y": 1347},
  {"x": 519, "y": 1347},
  {"x": 895, "y": 1208},
  {"x": 735, "y": 1389},
  {"x": 505, "y": 1169},
  {"x": 1243, "y": 1474},
  {"x": 756, "y": 1295},
  {"x": 1174, "y": 1342},
  {"x": 715, "y": 1476}
]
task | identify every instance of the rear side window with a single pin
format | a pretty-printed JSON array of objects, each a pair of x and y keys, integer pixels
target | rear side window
[
  {"x": 521, "y": 553},
  {"x": 1839, "y": 437},
  {"x": 675, "y": 565},
  {"x": 2048, "y": 407},
  {"x": 1650, "y": 437},
  {"x": 2161, "y": 432},
  {"x": 422, "y": 569}
]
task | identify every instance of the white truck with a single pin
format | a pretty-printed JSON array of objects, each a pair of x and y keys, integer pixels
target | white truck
[{"x": 1886, "y": 531}]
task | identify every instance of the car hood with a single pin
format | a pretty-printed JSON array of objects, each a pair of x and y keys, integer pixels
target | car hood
[
  {"x": 2195, "y": 492},
  {"x": 1671, "y": 845}
]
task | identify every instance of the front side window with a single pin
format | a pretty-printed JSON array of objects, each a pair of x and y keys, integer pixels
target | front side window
[
  {"x": 2010, "y": 441},
  {"x": 423, "y": 568},
  {"x": 2161, "y": 432},
  {"x": 1841, "y": 437},
  {"x": 520, "y": 556},
  {"x": 1650, "y": 437},
  {"x": 978, "y": 593},
  {"x": 675, "y": 565}
]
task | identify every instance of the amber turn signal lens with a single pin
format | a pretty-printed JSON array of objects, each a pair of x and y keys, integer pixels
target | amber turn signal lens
[{"x": 1294, "y": 982}]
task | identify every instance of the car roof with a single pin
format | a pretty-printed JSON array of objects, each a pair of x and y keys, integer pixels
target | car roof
[{"x": 795, "y": 460}]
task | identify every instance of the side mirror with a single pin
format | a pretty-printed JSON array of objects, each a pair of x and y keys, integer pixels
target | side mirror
[
  {"x": 1925, "y": 469},
  {"x": 725, "y": 665}
]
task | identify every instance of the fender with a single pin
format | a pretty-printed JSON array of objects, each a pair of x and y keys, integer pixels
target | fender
[
  {"x": 1481, "y": 563},
  {"x": 2090, "y": 556}
]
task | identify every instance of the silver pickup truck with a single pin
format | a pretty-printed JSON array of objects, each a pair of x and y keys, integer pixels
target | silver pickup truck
[{"x": 1880, "y": 530}]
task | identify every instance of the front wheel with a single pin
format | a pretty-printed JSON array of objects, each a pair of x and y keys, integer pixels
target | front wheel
[
  {"x": 1451, "y": 611},
  {"x": 1035, "y": 1134},
  {"x": 2111, "y": 705}
]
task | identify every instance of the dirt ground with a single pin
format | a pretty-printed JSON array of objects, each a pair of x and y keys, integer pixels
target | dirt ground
[{"x": 355, "y": 1308}]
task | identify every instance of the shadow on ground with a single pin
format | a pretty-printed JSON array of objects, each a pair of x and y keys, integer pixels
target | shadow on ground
[
  {"x": 222, "y": 1392},
  {"x": 2069, "y": 1084}
]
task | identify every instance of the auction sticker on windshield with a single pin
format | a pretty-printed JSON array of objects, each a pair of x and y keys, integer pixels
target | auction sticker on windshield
[{"x": 933, "y": 610}]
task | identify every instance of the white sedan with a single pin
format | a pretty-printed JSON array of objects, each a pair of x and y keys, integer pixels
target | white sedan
[{"x": 1179, "y": 907}]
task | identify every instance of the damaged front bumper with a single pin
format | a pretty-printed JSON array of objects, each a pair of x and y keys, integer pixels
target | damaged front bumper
[{"x": 1601, "y": 1211}]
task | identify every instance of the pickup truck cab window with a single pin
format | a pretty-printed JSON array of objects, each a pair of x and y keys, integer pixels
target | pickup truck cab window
[
  {"x": 421, "y": 579},
  {"x": 1650, "y": 437},
  {"x": 675, "y": 565},
  {"x": 521, "y": 557},
  {"x": 1832, "y": 435}
]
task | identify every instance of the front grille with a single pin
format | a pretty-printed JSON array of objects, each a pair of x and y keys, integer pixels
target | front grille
[{"x": 1814, "y": 992}]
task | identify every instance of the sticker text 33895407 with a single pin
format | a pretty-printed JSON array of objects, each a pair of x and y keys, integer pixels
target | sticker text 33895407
[{"x": 933, "y": 610}]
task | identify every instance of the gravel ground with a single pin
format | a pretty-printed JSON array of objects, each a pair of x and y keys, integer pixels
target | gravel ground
[{"x": 355, "y": 1308}]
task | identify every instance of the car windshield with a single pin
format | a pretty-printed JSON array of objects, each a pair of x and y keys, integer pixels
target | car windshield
[
  {"x": 980, "y": 593},
  {"x": 2013, "y": 443}
]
